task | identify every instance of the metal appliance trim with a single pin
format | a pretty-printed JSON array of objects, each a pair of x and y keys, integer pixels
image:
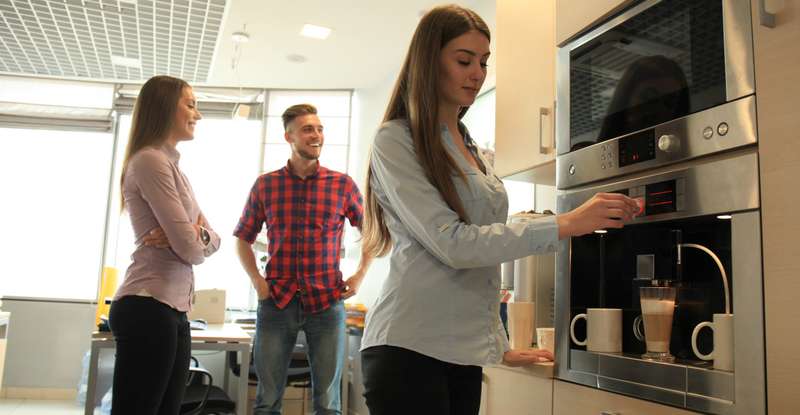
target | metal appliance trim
[
  {"x": 738, "y": 45},
  {"x": 741, "y": 392},
  {"x": 725, "y": 184},
  {"x": 600, "y": 161}
]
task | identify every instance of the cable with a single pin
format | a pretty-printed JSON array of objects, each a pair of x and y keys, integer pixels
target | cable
[{"x": 721, "y": 270}]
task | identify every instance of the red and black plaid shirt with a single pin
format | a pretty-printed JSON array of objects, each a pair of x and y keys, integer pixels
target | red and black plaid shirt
[{"x": 305, "y": 220}]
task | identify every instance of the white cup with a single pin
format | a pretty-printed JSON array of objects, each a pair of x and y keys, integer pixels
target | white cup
[
  {"x": 603, "y": 330},
  {"x": 546, "y": 338},
  {"x": 722, "y": 354},
  {"x": 520, "y": 324}
]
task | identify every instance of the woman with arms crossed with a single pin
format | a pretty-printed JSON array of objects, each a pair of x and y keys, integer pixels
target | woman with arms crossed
[
  {"x": 148, "y": 315},
  {"x": 436, "y": 204}
]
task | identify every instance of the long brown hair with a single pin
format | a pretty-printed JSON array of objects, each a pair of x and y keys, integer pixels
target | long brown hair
[
  {"x": 415, "y": 99},
  {"x": 153, "y": 115}
]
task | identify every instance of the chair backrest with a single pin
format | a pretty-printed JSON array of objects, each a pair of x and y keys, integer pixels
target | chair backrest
[
  {"x": 299, "y": 373},
  {"x": 204, "y": 398}
]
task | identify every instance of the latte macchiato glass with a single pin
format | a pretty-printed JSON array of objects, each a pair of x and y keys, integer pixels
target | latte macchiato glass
[{"x": 658, "y": 306}]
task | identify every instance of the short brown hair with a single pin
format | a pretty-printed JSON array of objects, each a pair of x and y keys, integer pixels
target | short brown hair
[{"x": 295, "y": 111}]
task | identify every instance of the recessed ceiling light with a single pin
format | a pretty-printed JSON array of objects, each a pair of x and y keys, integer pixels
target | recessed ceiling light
[
  {"x": 315, "y": 32},
  {"x": 127, "y": 62},
  {"x": 296, "y": 58}
]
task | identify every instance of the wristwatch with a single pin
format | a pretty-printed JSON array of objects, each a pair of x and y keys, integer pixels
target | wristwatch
[{"x": 205, "y": 237}]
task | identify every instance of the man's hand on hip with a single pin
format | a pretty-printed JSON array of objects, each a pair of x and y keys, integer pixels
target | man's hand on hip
[{"x": 262, "y": 288}]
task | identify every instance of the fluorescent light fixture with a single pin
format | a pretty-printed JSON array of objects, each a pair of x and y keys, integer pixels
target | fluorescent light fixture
[
  {"x": 127, "y": 62},
  {"x": 315, "y": 32},
  {"x": 724, "y": 216}
]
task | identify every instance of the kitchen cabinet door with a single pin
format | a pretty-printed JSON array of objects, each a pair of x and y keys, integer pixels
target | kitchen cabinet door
[
  {"x": 572, "y": 399},
  {"x": 525, "y": 85},
  {"x": 513, "y": 391},
  {"x": 573, "y": 16},
  {"x": 777, "y": 75}
]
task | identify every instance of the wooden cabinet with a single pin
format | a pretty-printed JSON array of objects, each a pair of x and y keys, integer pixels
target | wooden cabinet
[
  {"x": 516, "y": 391},
  {"x": 573, "y": 16},
  {"x": 572, "y": 399},
  {"x": 525, "y": 85},
  {"x": 777, "y": 75}
]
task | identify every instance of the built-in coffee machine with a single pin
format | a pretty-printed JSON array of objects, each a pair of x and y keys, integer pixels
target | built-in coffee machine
[{"x": 658, "y": 103}]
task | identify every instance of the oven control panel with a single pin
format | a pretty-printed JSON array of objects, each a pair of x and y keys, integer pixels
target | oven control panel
[{"x": 657, "y": 198}]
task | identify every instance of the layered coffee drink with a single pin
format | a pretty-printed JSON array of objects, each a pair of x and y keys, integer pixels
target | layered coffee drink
[
  {"x": 657, "y": 316},
  {"x": 658, "y": 306}
]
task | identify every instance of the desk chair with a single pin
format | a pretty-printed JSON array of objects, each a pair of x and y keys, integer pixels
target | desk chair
[
  {"x": 299, "y": 373},
  {"x": 203, "y": 398}
]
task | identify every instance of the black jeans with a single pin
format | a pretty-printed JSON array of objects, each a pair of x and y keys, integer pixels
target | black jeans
[
  {"x": 400, "y": 381},
  {"x": 152, "y": 365}
]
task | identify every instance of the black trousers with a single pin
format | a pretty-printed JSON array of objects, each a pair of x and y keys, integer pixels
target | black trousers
[
  {"x": 400, "y": 381},
  {"x": 152, "y": 365}
]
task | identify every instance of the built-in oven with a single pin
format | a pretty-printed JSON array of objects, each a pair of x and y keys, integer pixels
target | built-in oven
[
  {"x": 658, "y": 103},
  {"x": 645, "y": 70}
]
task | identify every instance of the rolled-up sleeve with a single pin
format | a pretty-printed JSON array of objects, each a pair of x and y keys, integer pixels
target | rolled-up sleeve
[
  {"x": 156, "y": 182},
  {"x": 423, "y": 211},
  {"x": 253, "y": 216}
]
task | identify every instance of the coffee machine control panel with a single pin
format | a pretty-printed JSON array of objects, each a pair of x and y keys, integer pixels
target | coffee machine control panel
[{"x": 658, "y": 198}]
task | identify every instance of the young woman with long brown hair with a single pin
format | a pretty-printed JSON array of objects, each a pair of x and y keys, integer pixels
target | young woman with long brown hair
[
  {"x": 436, "y": 204},
  {"x": 148, "y": 314}
]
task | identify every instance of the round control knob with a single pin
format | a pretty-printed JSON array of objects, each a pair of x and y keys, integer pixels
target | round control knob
[{"x": 668, "y": 143}]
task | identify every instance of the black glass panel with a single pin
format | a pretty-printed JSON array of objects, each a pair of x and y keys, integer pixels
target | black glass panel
[{"x": 661, "y": 64}]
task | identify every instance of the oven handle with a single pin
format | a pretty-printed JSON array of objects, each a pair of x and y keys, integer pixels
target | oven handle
[
  {"x": 766, "y": 18},
  {"x": 542, "y": 112}
]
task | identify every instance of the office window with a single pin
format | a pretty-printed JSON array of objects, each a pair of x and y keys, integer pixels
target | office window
[
  {"x": 55, "y": 193},
  {"x": 221, "y": 163}
]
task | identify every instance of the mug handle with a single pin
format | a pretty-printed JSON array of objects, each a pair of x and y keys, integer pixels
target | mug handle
[
  {"x": 636, "y": 330},
  {"x": 695, "y": 332},
  {"x": 572, "y": 329}
]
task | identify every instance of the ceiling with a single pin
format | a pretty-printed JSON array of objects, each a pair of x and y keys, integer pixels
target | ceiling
[{"x": 191, "y": 39}]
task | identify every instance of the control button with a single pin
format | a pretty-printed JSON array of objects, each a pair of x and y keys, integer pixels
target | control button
[
  {"x": 708, "y": 132},
  {"x": 602, "y": 157},
  {"x": 603, "y": 166},
  {"x": 640, "y": 203},
  {"x": 571, "y": 169},
  {"x": 722, "y": 128},
  {"x": 668, "y": 143}
]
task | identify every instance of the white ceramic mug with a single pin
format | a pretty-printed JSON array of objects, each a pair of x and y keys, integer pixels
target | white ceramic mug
[
  {"x": 546, "y": 338},
  {"x": 722, "y": 354},
  {"x": 520, "y": 324},
  {"x": 603, "y": 330}
]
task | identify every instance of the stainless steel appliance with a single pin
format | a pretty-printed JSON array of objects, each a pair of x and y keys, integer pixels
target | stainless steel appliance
[{"x": 658, "y": 103}]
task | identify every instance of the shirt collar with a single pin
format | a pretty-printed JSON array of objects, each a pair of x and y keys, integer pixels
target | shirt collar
[{"x": 288, "y": 170}]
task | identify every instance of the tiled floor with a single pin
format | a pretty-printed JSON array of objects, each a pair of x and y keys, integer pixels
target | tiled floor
[{"x": 39, "y": 407}]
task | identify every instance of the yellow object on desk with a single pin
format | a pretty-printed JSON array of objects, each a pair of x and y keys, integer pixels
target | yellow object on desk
[{"x": 108, "y": 286}]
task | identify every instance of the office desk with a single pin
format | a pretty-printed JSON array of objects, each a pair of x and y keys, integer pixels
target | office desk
[{"x": 223, "y": 337}]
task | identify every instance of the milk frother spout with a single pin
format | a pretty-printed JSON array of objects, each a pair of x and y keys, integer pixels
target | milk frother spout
[{"x": 719, "y": 265}]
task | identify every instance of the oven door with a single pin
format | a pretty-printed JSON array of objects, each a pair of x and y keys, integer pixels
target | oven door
[{"x": 657, "y": 61}]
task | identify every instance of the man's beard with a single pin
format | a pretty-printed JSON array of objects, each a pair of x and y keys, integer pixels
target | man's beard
[{"x": 306, "y": 155}]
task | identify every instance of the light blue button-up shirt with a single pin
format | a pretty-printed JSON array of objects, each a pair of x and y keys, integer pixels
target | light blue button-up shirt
[{"x": 441, "y": 297}]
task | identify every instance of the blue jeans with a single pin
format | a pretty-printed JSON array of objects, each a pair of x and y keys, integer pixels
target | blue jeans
[{"x": 276, "y": 334}]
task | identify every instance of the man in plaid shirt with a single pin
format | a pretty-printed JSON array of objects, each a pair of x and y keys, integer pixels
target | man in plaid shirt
[{"x": 303, "y": 206}]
